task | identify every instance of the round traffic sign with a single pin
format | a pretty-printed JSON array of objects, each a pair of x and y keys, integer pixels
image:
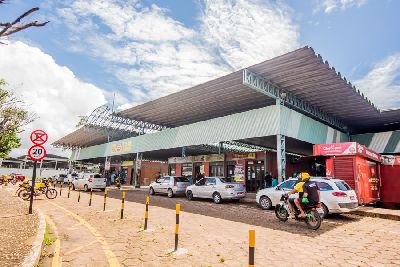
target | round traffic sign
[
  {"x": 37, "y": 152},
  {"x": 39, "y": 137}
]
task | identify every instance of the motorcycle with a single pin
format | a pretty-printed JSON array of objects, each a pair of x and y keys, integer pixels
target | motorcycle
[
  {"x": 313, "y": 219},
  {"x": 24, "y": 191}
]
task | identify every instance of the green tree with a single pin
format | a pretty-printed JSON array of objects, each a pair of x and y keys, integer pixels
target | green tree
[{"x": 13, "y": 117}]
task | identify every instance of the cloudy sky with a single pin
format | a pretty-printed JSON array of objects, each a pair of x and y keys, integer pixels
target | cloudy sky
[{"x": 142, "y": 49}]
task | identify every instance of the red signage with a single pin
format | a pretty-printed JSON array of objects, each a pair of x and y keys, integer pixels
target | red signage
[
  {"x": 391, "y": 160},
  {"x": 342, "y": 149},
  {"x": 39, "y": 137},
  {"x": 37, "y": 152}
]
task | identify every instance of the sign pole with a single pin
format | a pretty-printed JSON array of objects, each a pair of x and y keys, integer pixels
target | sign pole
[{"x": 33, "y": 187}]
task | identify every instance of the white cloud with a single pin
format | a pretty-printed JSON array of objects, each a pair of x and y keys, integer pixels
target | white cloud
[
  {"x": 155, "y": 55},
  {"x": 332, "y": 5},
  {"x": 381, "y": 84},
  {"x": 49, "y": 90}
]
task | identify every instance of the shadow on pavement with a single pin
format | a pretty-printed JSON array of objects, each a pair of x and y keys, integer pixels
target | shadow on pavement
[{"x": 247, "y": 213}]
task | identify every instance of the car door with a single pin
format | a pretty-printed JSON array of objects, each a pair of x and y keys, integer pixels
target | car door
[
  {"x": 165, "y": 184},
  {"x": 210, "y": 187},
  {"x": 199, "y": 188},
  {"x": 157, "y": 185},
  {"x": 285, "y": 186}
]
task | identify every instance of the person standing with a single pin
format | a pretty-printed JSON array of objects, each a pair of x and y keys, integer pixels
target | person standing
[{"x": 268, "y": 179}]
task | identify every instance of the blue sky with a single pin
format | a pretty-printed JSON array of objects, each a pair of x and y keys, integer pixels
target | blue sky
[{"x": 146, "y": 49}]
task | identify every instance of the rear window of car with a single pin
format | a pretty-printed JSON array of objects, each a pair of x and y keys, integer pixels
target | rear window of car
[
  {"x": 343, "y": 186},
  {"x": 97, "y": 176},
  {"x": 226, "y": 180},
  {"x": 181, "y": 179},
  {"x": 74, "y": 175},
  {"x": 322, "y": 186},
  {"x": 63, "y": 175}
]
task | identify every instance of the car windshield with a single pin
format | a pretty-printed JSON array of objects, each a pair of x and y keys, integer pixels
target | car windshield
[
  {"x": 343, "y": 186},
  {"x": 181, "y": 179},
  {"x": 97, "y": 176},
  {"x": 226, "y": 180},
  {"x": 74, "y": 175}
]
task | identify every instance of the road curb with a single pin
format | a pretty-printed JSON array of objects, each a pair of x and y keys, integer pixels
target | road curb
[
  {"x": 32, "y": 259},
  {"x": 372, "y": 214}
]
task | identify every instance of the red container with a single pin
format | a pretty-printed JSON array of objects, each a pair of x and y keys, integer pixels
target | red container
[
  {"x": 355, "y": 164},
  {"x": 390, "y": 189}
]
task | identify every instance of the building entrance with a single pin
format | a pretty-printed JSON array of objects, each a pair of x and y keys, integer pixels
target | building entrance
[{"x": 255, "y": 175}]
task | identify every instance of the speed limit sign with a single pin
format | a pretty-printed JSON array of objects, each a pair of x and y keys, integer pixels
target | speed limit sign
[{"x": 37, "y": 152}]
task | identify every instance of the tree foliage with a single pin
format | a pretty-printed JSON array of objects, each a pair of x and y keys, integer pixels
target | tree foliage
[{"x": 13, "y": 117}]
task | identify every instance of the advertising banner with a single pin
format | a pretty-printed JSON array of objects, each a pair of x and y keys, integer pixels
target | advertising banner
[
  {"x": 239, "y": 173},
  {"x": 347, "y": 148},
  {"x": 122, "y": 147},
  {"x": 391, "y": 160},
  {"x": 173, "y": 160}
]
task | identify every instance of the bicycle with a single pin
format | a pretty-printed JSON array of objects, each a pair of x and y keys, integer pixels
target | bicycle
[{"x": 40, "y": 189}]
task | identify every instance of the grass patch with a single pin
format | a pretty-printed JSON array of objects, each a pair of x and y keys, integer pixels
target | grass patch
[{"x": 48, "y": 238}]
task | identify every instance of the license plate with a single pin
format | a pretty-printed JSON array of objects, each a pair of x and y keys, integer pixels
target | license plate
[{"x": 352, "y": 198}]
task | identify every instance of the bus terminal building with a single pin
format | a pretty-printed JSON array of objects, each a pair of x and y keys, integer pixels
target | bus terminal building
[{"x": 264, "y": 118}]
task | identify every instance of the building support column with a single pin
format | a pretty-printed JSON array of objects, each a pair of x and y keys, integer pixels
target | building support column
[
  {"x": 136, "y": 173},
  {"x": 281, "y": 157},
  {"x": 281, "y": 142},
  {"x": 183, "y": 152}
]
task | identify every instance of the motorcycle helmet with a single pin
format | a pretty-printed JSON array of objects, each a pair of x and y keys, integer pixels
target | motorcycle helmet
[{"x": 305, "y": 176}]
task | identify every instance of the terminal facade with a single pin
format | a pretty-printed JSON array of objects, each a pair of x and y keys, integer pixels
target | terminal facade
[{"x": 265, "y": 118}]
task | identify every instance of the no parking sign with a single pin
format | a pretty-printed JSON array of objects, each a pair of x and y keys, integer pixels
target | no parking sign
[{"x": 36, "y": 152}]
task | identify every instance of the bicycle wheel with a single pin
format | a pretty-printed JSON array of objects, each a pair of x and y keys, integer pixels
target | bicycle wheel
[
  {"x": 51, "y": 193},
  {"x": 25, "y": 194}
]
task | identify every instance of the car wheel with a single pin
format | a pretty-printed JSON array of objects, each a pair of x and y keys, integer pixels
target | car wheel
[
  {"x": 85, "y": 188},
  {"x": 265, "y": 203},
  {"x": 189, "y": 195},
  {"x": 170, "y": 193},
  {"x": 151, "y": 191},
  {"x": 325, "y": 209},
  {"x": 217, "y": 198}
]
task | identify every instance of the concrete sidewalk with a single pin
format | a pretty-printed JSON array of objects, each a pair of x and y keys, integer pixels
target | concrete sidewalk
[{"x": 389, "y": 214}]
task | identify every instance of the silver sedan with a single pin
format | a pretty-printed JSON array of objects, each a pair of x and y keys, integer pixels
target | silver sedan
[{"x": 216, "y": 188}]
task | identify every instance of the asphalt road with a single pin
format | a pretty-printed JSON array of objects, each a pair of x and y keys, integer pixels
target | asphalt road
[{"x": 248, "y": 213}]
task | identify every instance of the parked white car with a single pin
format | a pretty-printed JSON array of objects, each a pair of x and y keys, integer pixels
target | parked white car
[
  {"x": 336, "y": 195},
  {"x": 70, "y": 178},
  {"x": 170, "y": 185},
  {"x": 217, "y": 189},
  {"x": 87, "y": 181}
]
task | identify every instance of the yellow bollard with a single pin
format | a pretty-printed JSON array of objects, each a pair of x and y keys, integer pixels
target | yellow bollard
[
  {"x": 90, "y": 198},
  {"x": 122, "y": 205},
  {"x": 69, "y": 188},
  {"x": 105, "y": 199},
  {"x": 177, "y": 210},
  {"x": 252, "y": 243},
  {"x": 146, "y": 213}
]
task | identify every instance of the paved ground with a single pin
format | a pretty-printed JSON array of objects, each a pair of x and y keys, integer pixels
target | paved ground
[
  {"x": 91, "y": 237},
  {"x": 17, "y": 229}
]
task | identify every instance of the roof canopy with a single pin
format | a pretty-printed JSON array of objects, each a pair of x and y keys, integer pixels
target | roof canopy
[{"x": 302, "y": 73}]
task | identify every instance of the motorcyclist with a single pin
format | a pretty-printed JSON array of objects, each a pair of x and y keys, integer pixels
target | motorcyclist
[
  {"x": 311, "y": 196},
  {"x": 298, "y": 188}
]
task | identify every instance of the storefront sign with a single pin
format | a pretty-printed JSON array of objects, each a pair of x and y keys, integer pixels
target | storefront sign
[
  {"x": 122, "y": 147},
  {"x": 391, "y": 160},
  {"x": 208, "y": 158},
  {"x": 244, "y": 156},
  {"x": 127, "y": 163},
  {"x": 342, "y": 149},
  {"x": 173, "y": 160}
]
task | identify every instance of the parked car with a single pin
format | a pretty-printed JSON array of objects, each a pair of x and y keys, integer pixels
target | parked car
[
  {"x": 18, "y": 177},
  {"x": 170, "y": 185},
  {"x": 61, "y": 178},
  {"x": 217, "y": 189},
  {"x": 336, "y": 196},
  {"x": 70, "y": 178},
  {"x": 87, "y": 181}
]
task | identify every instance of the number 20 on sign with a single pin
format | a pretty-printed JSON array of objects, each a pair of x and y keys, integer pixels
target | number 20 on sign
[{"x": 37, "y": 152}]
